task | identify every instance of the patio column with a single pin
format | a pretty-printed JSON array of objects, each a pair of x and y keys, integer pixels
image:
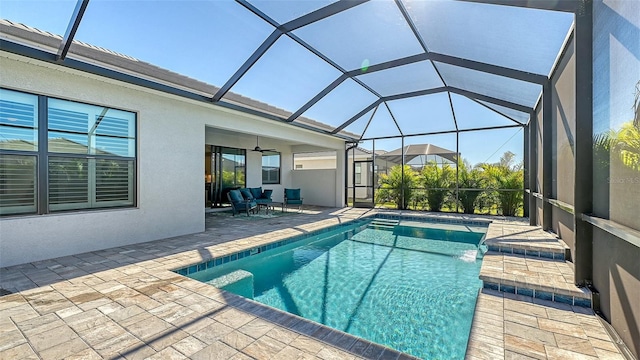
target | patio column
[
  {"x": 341, "y": 173},
  {"x": 547, "y": 155},
  {"x": 402, "y": 172},
  {"x": 525, "y": 195},
  {"x": 533, "y": 168},
  {"x": 583, "y": 158}
]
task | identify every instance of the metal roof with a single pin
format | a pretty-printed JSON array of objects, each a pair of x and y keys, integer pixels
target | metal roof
[{"x": 415, "y": 150}]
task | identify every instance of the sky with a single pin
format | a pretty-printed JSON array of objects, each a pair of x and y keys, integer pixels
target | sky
[{"x": 209, "y": 40}]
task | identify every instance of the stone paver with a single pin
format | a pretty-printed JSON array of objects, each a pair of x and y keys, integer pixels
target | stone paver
[
  {"x": 126, "y": 302},
  {"x": 534, "y": 273},
  {"x": 537, "y": 329}
]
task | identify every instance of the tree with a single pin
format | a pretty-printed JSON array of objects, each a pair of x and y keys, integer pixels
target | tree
[
  {"x": 438, "y": 181},
  {"x": 627, "y": 144},
  {"x": 505, "y": 176},
  {"x": 396, "y": 188},
  {"x": 468, "y": 178}
]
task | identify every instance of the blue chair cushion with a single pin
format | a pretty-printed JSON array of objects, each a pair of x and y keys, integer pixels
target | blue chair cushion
[
  {"x": 292, "y": 194},
  {"x": 256, "y": 192},
  {"x": 236, "y": 196},
  {"x": 267, "y": 194},
  {"x": 247, "y": 194},
  {"x": 262, "y": 201},
  {"x": 294, "y": 202}
]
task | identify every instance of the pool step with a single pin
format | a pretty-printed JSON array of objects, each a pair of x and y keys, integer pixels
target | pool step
[
  {"x": 383, "y": 224},
  {"x": 530, "y": 242},
  {"x": 387, "y": 222},
  {"x": 540, "y": 278},
  {"x": 528, "y": 261}
]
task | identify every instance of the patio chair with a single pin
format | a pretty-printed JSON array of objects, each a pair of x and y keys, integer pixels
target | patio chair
[
  {"x": 239, "y": 203},
  {"x": 292, "y": 197},
  {"x": 260, "y": 196}
]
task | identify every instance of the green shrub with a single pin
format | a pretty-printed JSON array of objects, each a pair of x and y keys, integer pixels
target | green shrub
[
  {"x": 438, "y": 181},
  {"x": 393, "y": 187}
]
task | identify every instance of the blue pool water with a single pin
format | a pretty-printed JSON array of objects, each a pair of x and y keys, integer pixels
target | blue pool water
[{"x": 411, "y": 288}]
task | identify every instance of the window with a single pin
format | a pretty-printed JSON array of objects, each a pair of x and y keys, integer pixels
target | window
[
  {"x": 88, "y": 154},
  {"x": 358, "y": 173},
  {"x": 18, "y": 152},
  {"x": 270, "y": 167}
]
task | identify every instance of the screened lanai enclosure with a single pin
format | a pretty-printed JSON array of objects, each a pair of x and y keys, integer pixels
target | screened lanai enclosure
[
  {"x": 535, "y": 103},
  {"x": 382, "y": 74}
]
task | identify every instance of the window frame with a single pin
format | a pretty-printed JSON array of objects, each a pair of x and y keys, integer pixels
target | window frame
[
  {"x": 268, "y": 168},
  {"x": 43, "y": 159}
]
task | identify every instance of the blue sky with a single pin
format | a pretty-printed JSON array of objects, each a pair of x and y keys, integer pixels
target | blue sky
[{"x": 209, "y": 40}]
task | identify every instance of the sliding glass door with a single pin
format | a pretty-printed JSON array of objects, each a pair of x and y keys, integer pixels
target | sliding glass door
[{"x": 228, "y": 171}]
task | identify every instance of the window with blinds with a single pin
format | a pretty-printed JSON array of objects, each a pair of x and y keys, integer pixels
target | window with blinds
[
  {"x": 103, "y": 176},
  {"x": 114, "y": 182},
  {"x": 18, "y": 152},
  {"x": 17, "y": 184},
  {"x": 18, "y": 121},
  {"x": 90, "y": 155}
]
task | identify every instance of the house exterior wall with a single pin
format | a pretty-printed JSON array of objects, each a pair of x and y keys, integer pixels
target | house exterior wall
[
  {"x": 315, "y": 162},
  {"x": 170, "y": 164},
  {"x": 312, "y": 188},
  {"x": 330, "y": 162}
]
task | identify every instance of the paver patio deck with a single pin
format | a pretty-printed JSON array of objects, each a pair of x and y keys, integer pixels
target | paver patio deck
[{"x": 126, "y": 303}]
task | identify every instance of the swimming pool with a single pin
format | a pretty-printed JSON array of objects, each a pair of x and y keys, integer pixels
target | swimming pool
[{"x": 411, "y": 286}]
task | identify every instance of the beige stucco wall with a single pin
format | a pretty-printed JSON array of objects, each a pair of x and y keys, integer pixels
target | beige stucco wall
[
  {"x": 172, "y": 132},
  {"x": 313, "y": 187}
]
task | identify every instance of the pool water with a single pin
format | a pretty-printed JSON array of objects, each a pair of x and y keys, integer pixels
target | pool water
[{"x": 410, "y": 288}]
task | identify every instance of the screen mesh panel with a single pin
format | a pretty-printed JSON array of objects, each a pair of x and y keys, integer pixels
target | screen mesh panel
[
  {"x": 514, "y": 114},
  {"x": 345, "y": 101},
  {"x": 55, "y": 21},
  {"x": 367, "y": 34},
  {"x": 382, "y": 124},
  {"x": 403, "y": 79},
  {"x": 489, "y": 146},
  {"x": 357, "y": 127},
  {"x": 509, "y": 36},
  {"x": 285, "y": 11},
  {"x": 470, "y": 115},
  {"x": 423, "y": 114},
  {"x": 287, "y": 76},
  {"x": 206, "y": 40},
  {"x": 504, "y": 88}
]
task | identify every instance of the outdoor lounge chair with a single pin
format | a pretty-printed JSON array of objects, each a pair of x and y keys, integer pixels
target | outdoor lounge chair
[
  {"x": 292, "y": 197},
  {"x": 239, "y": 203},
  {"x": 261, "y": 197}
]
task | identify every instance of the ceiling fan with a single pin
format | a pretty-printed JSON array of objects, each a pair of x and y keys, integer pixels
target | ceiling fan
[{"x": 258, "y": 148}]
